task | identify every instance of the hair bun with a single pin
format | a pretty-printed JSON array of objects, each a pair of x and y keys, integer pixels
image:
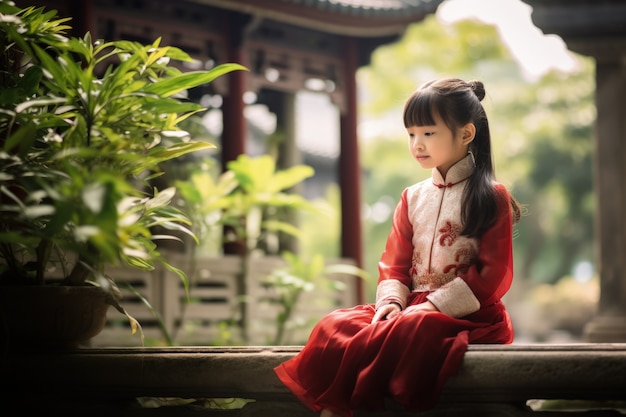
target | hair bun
[{"x": 478, "y": 88}]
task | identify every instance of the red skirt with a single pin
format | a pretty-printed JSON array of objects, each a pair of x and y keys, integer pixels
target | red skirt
[{"x": 350, "y": 364}]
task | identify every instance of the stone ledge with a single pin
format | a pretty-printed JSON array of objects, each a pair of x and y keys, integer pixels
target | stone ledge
[{"x": 491, "y": 375}]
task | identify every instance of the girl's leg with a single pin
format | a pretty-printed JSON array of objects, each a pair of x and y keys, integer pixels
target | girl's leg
[{"x": 328, "y": 413}]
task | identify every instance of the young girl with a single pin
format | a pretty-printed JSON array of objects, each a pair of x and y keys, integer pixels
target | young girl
[{"x": 447, "y": 263}]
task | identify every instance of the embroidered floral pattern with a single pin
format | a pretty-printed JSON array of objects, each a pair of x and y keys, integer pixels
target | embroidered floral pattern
[
  {"x": 462, "y": 257},
  {"x": 431, "y": 280},
  {"x": 449, "y": 233},
  {"x": 416, "y": 260},
  {"x": 425, "y": 280}
]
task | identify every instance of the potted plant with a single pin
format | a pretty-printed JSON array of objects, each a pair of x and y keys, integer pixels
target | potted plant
[{"x": 84, "y": 129}]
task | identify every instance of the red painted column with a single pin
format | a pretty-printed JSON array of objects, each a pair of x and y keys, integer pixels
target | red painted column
[
  {"x": 233, "y": 140},
  {"x": 350, "y": 167},
  {"x": 83, "y": 19},
  {"x": 234, "y": 123}
]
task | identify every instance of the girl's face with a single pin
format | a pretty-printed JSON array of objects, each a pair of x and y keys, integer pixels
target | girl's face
[{"x": 437, "y": 146}]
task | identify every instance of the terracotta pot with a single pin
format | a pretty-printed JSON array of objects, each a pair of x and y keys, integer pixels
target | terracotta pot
[{"x": 50, "y": 317}]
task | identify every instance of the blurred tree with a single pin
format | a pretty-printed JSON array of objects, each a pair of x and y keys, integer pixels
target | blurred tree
[
  {"x": 541, "y": 138},
  {"x": 555, "y": 176}
]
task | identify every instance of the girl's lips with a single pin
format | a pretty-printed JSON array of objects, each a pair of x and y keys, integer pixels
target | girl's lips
[{"x": 421, "y": 157}]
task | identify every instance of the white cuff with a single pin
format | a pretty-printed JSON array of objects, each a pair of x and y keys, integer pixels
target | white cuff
[
  {"x": 455, "y": 299},
  {"x": 391, "y": 291}
]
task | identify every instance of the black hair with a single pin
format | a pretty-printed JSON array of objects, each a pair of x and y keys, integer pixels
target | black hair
[{"x": 457, "y": 103}]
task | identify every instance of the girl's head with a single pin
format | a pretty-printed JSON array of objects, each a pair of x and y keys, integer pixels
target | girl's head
[{"x": 456, "y": 103}]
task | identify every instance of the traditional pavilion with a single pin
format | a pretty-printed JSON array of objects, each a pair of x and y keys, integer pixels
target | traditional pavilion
[{"x": 288, "y": 43}]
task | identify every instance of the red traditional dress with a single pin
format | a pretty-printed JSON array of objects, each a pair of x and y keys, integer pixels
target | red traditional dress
[{"x": 348, "y": 363}]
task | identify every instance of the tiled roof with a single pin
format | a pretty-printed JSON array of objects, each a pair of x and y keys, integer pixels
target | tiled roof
[
  {"x": 377, "y": 8},
  {"x": 363, "y": 18}
]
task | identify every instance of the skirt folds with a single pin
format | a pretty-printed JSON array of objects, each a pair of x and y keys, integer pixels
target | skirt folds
[{"x": 348, "y": 363}]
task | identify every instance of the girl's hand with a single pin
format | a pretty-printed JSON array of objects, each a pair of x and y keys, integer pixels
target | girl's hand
[
  {"x": 427, "y": 306},
  {"x": 387, "y": 311}
]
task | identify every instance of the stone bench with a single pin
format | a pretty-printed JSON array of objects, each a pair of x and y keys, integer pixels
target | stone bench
[{"x": 494, "y": 380}]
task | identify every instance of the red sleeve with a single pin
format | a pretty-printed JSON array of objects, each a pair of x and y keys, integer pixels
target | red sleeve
[
  {"x": 491, "y": 276},
  {"x": 395, "y": 262}
]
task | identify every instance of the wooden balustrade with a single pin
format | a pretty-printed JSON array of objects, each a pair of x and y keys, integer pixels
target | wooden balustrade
[{"x": 197, "y": 319}]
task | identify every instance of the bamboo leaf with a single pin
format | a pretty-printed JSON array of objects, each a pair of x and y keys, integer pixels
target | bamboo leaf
[
  {"x": 39, "y": 103},
  {"x": 185, "y": 81}
]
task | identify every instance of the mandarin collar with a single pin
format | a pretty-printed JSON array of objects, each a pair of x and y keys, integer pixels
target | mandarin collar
[{"x": 456, "y": 174}]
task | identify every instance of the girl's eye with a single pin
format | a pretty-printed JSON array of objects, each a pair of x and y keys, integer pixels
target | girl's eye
[{"x": 429, "y": 133}]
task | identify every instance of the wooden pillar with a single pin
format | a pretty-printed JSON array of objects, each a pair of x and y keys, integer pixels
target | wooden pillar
[
  {"x": 610, "y": 187},
  {"x": 233, "y": 121},
  {"x": 289, "y": 156},
  {"x": 234, "y": 124},
  {"x": 83, "y": 19},
  {"x": 233, "y": 141},
  {"x": 349, "y": 167}
]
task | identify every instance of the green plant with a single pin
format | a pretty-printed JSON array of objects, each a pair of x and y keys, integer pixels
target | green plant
[
  {"x": 298, "y": 277},
  {"x": 206, "y": 197},
  {"x": 262, "y": 192},
  {"x": 84, "y": 128},
  {"x": 247, "y": 201}
]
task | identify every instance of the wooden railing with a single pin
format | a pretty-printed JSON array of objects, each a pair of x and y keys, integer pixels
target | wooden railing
[
  {"x": 495, "y": 380},
  {"x": 198, "y": 319}
]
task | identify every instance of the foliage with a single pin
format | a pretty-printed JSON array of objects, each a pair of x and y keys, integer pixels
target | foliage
[
  {"x": 554, "y": 174},
  {"x": 323, "y": 240},
  {"x": 243, "y": 206},
  {"x": 205, "y": 196},
  {"x": 246, "y": 197},
  {"x": 429, "y": 50},
  {"x": 85, "y": 126},
  {"x": 261, "y": 193},
  {"x": 298, "y": 277}
]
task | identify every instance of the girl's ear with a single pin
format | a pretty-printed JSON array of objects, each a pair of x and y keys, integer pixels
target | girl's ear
[{"x": 469, "y": 131}]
